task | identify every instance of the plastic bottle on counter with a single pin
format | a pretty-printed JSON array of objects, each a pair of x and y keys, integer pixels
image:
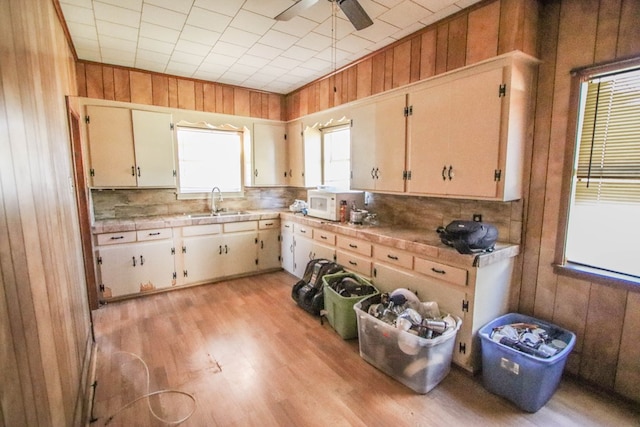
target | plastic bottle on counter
[{"x": 343, "y": 211}]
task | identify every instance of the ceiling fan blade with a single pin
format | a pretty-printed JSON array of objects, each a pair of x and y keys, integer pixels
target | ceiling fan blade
[
  {"x": 355, "y": 13},
  {"x": 295, "y": 9}
]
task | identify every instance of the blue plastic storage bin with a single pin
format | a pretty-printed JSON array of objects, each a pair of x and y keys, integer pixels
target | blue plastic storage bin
[{"x": 526, "y": 380}]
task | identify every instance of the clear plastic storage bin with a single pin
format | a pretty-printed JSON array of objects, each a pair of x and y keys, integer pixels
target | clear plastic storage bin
[
  {"x": 339, "y": 309},
  {"x": 528, "y": 381},
  {"x": 419, "y": 363}
]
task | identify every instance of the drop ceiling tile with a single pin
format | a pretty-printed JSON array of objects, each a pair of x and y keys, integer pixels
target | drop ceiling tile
[
  {"x": 206, "y": 75},
  {"x": 278, "y": 40},
  {"x": 157, "y": 32},
  {"x": 187, "y": 58},
  {"x": 434, "y": 5},
  {"x": 286, "y": 63},
  {"x": 82, "y": 3},
  {"x": 116, "y": 30},
  {"x": 81, "y": 15},
  {"x": 181, "y": 6},
  {"x": 326, "y": 54},
  {"x": 86, "y": 44},
  {"x": 127, "y": 4},
  {"x": 405, "y": 14},
  {"x": 82, "y": 31},
  {"x": 219, "y": 59},
  {"x": 226, "y": 7},
  {"x": 389, "y": 3},
  {"x": 381, "y": 44},
  {"x": 377, "y": 32},
  {"x": 193, "y": 48},
  {"x": 439, "y": 15},
  {"x": 228, "y": 49},
  {"x": 89, "y": 55},
  {"x": 253, "y": 22},
  {"x": 343, "y": 28},
  {"x": 268, "y": 8},
  {"x": 273, "y": 71},
  {"x": 163, "y": 17},
  {"x": 353, "y": 44},
  {"x": 465, "y": 3},
  {"x": 253, "y": 60},
  {"x": 208, "y": 20},
  {"x": 407, "y": 30},
  {"x": 118, "y": 44},
  {"x": 317, "y": 64},
  {"x": 264, "y": 51},
  {"x": 243, "y": 69},
  {"x": 279, "y": 87},
  {"x": 150, "y": 65},
  {"x": 115, "y": 14},
  {"x": 259, "y": 79},
  {"x": 239, "y": 37},
  {"x": 181, "y": 69},
  {"x": 314, "y": 41},
  {"x": 199, "y": 35},
  {"x": 118, "y": 57},
  {"x": 213, "y": 68},
  {"x": 319, "y": 12},
  {"x": 154, "y": 45},
  {"x": 299, "y": 53},
  {"x": 232, "y": 79},
  {"x": 151, "y": 56},
  {"x": 299, "y": 71},
  {"x": 296, "y": 26},
  {"x": 373, "y": 8}
]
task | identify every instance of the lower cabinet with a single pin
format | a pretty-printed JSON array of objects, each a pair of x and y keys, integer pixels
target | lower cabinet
[
  {"x": 302, "y": 248},
  {"x": 286, "y": 246},
  {"x": 269, "y": 245}
]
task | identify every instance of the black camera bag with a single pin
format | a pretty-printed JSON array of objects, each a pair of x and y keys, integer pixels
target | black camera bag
[
  {"x": 308, "y": 292},
  {"x": 469, "y": 237}
]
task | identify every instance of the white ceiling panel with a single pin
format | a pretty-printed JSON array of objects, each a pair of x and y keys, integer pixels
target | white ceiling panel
[{"x": 239, "y": 41}]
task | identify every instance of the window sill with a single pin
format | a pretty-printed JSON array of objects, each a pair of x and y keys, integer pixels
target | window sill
[{"x": 595, "y": 275}]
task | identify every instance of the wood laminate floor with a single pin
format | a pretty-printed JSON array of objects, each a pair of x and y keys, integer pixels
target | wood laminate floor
[{"x": 251, "y": 357}]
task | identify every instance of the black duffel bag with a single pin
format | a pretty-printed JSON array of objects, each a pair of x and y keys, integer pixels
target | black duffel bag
[{"x": 469, "y": 237}]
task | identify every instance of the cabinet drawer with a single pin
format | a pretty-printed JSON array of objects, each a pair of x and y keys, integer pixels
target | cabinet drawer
[
  {"x": 325, "y": 237},
  {"x": 266, "y": 224},
  {"x": 444, "y": 272},
  {"x": 393, "y": 256},
  {"x": 199, "y": 230},
  {"x": 233, "y": 227},
  {"x": 156, "y": 234},
  {"x": 114, "y": 238},
  {"x": 303, "y": 230},
  {"x": 287, "y": 226},
  {"x": 354, "y": 263},
  {"x": 354, "y": 245}
]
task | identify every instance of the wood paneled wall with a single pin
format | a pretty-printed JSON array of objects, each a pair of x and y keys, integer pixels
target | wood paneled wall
[
  {"x": 44, "y": 316},
  {"x": 577, "y": 33},
  {"x": 480, "y": 32},
  {"x": 143, "y": 87}
]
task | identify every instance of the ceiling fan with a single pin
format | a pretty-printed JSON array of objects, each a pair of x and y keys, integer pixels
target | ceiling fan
[{"x": 351, "y": 8}]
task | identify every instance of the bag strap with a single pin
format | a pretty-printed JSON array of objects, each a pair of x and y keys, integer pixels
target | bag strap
[{"x": 462, "y": 246}]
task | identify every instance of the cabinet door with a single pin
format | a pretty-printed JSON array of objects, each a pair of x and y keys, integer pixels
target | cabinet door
[
  {"x": 268, "y": 249},
  {"x": 153, "y": 137},
  {"x": 111, "y": 152},
  {"x": 390, "y": 144},
  {"x": 295, "y": 154},
  {"x": 239, "y": 253},
  {"x": 286, "y": 247},
  {"x": 202, "y": 258},
  {"x": 312, "y": 143},
  {"x": 269, "y": 154},
  {"x": 363, "y": 155},
  {"x": 156, "y": 265},
  {"x": 302, "y": 254},
  {"x": 117, "y": 268}
]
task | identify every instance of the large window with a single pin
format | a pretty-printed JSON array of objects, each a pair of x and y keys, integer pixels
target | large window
[
  {"x": 336, "y": 156},
  {"x": 602, "y": 231},
  {"x": 209, "y": 158}
]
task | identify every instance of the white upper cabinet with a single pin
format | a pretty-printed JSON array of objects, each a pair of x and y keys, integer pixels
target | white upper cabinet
[
  {"x": 130, "y": 148},
  {"x": 270, "y": 166}
]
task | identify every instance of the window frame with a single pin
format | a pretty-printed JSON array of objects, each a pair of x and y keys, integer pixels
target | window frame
[{"x": 561, "y": 265}]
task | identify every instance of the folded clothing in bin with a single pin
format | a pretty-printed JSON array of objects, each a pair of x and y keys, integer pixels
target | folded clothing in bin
[
  {"x": 341, "y": 292},
  {"x": 523, "y": 358},
  {"x": 396, "y": 348}
]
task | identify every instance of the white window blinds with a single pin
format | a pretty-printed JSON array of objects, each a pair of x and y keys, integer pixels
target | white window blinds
[{"x": 608, "y": 163}]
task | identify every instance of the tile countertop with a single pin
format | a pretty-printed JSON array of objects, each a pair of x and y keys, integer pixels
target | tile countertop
[{"x": 417, "y": 241}]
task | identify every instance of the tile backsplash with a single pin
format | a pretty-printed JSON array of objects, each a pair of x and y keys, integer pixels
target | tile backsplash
[{"x": 422, "y": 213}]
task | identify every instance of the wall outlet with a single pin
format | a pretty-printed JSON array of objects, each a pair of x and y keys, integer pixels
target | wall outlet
[{"x": 477, "y": 217}]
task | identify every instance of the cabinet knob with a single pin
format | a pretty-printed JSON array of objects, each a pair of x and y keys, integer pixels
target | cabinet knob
[{"x": 444, "y": 171}]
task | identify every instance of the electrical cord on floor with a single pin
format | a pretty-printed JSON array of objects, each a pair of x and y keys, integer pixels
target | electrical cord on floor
[{"x": 153, "y": 393}]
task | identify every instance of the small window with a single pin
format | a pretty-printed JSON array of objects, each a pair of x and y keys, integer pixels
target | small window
[
  {"x": 209, "y": 158},
  {"x": 605, "y": 202},
  {"x": 336, "y": 156}
]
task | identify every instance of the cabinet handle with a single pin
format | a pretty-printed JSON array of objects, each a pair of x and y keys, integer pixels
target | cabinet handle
[
  {"x": 134, "y": 261},
  {"x": 372, "y": 173},
  {"x": 323, "y": 237},
  {"x": 303, "y": 231},
  {"x": 157, "y": 233},
  {"x": 261, "y": 244},
  {"x": 138, "y": 170},
  {"x": 435, "y": 270},
  {"x": 444, "y": 170},
  {"x": 141, "y": 260},
  {"x": 393, "y": 257},
  {"x": 449, "y": 174},
  {"x": 116, "y": 237},
  {"x": 220, "y": 250},
  {"x": 133, "y": 171},
  {"x": 226, "y": 249},
  {"x": 377, "y": 170},
  {"x": 269, "y": 224},
  {"x": 256, "y": 172},
  {"x": 351, "y": 245},
  {"x": 353, "y": 263}
]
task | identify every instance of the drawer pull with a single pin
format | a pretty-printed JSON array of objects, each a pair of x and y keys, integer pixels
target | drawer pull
[
  {"x": 351, "y": 245},
  {"x": 435, "y": 270},
  {"x": 134, "y": 261},
  {"x": 353, "y": 263},
  {"x": 323, "y": 237},
  {"x": 393, "y": 257},
  {"x": 303, "y": 231},
  {"x": 141, "y": 260},
  {"x": 117, "y": 237},
  {"x": 268, "y": 224},
  {"x": 157, "y": 233}
]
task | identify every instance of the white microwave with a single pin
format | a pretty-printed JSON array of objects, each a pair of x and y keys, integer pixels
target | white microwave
[{"x": 325, "y": 203}]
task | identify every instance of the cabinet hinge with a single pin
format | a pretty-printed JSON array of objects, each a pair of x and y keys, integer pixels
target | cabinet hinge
[
  {"x": 285, "y": 136},
  {"x": 408, "y": 111},
  {"x": 87, "y": 120},
  {"x": 175, "y": 275},
  {"x": 462, "y": 348},
  {"x": 173, "y": 251},
  {"x": 184, "y": 249},
  {"x": 256, "y": 241},
  {"x": 171, "y": 126},
  {"x": 256, "y": 261},
  {"x": 502, "y": 91},
  {"x": 465, "y": 305},
  {"x": 92, "y": 172},
  {"x": 279, "y": 258},
  {"x": 101, "y": 287},
  {"x": 184, "y": 273},
  {"x": 99, "y": 260},
  {"x": 174, "y": 173},
  {"x": 375, "y": 273},
  {"x": 497, "y": 175}
]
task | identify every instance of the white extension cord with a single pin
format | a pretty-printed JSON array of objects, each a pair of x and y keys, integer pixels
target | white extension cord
[{"x": 153, "y": 393}]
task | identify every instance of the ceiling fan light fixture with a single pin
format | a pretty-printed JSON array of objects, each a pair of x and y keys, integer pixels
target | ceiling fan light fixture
[{"x": 355, "y": 13}]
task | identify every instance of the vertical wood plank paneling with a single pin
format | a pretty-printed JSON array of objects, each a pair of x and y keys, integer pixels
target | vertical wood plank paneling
[
  {"x": 401, "y": 64},
  {"x": 264, "y": 99},
  {"x": 457, "y": 43},
  {"x": 276, "y": 111},
  {"x": 511, "y": 20},
  {"x": 337, "y": 89},
  {"x": 428, "y": 44},
  {"x": 199, "y": 96},
  {"x": 416, "y": 46},
  {"x": 607, "y": 31},
  {"x": 442, "y": 40},
  {"x": 81, "y": 79},
  {"x": 219, "y": 99},
  {"x": 160, "y": 90},
  {"x": 95, "y": 87},
  {"x": 186, "y": 94},
  {"x": 172, "y": 84},
  {"x": 530, "y": 27},
  {"x": 121, "y": 83},
  {"x": 227, "y": 100},
  {"x": 628, "y": 373},
  {"x": 241, "y": 102},
  {"x": 209, "y": 97},
  {"x": 304, "y": 101},
  {"x": 570, "y": 312},
  {"x": 324, "y": 95},
  {"x": 388, "y": 69},
  {"x": 363, "y": 77},
  {"x": 108, "y": 83},
  {"x": 141, "y": 87},
  {"x": 255, "y": 101},
  {"x": 377, "y": 73},
  {"x": 352, "y": 84},
  {"x": 629, "y": 33},
  {"x": 482, "y": 37},
  {"x": 602, "y": 335}
]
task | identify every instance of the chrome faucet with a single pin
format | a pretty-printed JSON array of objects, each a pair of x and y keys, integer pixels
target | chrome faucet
[{"x": 214, "y": 208}]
